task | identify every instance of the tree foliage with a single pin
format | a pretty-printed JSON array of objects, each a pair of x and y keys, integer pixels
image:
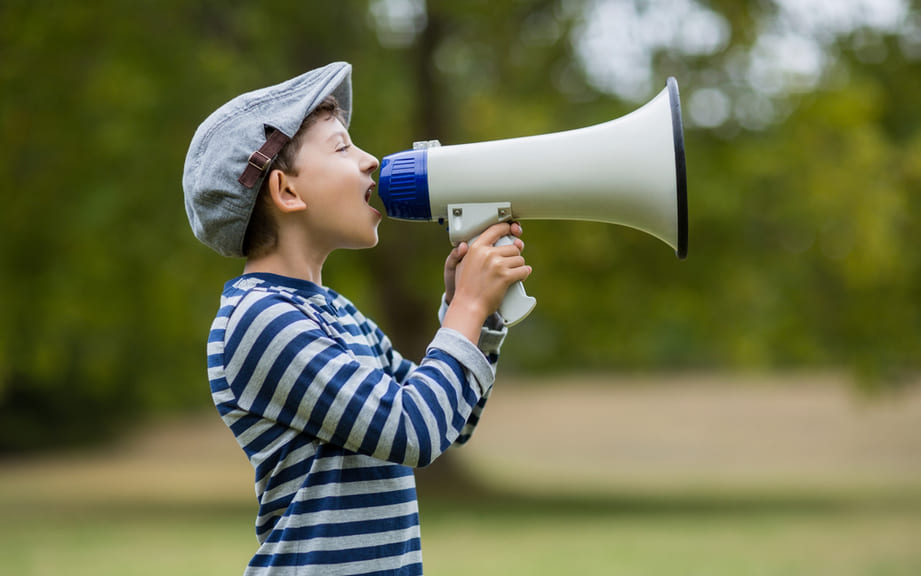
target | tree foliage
[{"x": 801, "y": 223}]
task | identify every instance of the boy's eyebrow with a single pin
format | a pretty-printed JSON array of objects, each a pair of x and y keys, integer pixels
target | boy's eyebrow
[{"x": 338, "y": 134}]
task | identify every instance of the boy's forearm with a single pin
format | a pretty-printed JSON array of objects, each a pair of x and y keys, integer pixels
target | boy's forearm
[{"x": 466, "y": 317}]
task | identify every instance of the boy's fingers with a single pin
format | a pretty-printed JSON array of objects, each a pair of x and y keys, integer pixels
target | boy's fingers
[
  {"x": 508, "y": 250},
  {"x": 493, "y": 233},
  {"x": 457, "y": 254},
  {"x": 519, "y": 273},
  {"x": 512, "y": 264}
]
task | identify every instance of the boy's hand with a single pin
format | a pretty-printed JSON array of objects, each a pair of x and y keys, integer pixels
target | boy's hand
[
  {"x": 458, "y": 253},
  {"x": 477, "y": 276}
]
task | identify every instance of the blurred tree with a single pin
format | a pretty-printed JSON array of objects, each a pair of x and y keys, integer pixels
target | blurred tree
[{"x": 802, "y": 173}]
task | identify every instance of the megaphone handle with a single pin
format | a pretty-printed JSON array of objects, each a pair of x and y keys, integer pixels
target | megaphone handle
[{"x": 516, "y": 305}]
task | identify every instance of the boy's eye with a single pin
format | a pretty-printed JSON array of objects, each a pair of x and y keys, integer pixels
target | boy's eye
[{"x": 343, "y": 147}]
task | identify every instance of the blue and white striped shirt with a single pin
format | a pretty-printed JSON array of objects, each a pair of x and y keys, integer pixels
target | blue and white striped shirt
[{"x": 333, "y": 419}]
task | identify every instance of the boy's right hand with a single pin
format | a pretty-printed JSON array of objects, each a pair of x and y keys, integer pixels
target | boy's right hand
[{"x": 481, "y": 274}]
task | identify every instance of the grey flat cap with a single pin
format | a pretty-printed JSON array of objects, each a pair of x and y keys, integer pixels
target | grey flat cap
[{"x": 233, "y": 148}]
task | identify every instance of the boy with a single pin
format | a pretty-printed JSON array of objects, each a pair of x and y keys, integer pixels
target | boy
[{"x": 331, "y": 417}]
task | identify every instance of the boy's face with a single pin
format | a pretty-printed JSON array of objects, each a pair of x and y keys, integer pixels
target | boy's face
[{"x": 334, "y": 178}]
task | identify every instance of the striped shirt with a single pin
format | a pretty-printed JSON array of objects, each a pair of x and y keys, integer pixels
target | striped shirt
[{"x": 333, "y": 420}]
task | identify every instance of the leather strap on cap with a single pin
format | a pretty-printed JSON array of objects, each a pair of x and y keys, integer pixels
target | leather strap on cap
[{"x": 260, "y": 159}]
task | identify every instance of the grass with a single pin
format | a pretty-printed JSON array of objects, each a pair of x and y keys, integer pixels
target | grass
[
  {"x": 124, "y": 541},
  {"x": 495, "y": 537},
  {"x": 177, "y": 499},
  {"x": 667, "y": 537},
  {"x": 714, "y": 545}
]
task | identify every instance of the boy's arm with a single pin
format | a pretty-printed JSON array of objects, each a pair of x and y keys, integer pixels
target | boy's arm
[
  {"x": 492, "y": 332},
  {"x": 492, "y": 335},
  {"x": 284, "y": 366}
]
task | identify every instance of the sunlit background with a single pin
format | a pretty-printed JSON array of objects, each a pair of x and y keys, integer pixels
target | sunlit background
[{"x": 754, "y": 409}]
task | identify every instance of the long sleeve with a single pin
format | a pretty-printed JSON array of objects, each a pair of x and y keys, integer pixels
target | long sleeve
[
  {"x": 286, "y": 365},
  {"x": 492, "y": 336}
]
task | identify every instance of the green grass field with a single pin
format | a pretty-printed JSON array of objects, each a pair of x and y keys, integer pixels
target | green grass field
[
  {"x": 176, "y": 499},
  {"x": 492, "y": 538},
  {"x": 808, "y": 541}
]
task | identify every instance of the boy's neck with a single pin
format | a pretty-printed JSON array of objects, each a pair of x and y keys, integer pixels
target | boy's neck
[{"x": 280, "y": 262}]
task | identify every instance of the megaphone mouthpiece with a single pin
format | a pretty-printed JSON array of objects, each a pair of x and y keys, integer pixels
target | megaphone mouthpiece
[{"x": 403, "y": 185}]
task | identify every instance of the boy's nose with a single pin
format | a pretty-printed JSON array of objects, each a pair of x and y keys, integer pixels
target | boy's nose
[{"x": 371, "y": 162}]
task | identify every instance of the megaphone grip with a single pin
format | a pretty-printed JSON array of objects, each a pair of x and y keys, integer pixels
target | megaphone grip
[{"x": 516, "y": 305}]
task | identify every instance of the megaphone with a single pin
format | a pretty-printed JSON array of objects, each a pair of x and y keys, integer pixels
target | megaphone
[{"x": 628, "y": 171}]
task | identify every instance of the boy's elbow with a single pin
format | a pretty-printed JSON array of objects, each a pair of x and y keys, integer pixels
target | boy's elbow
[
  {"x": 428, "y": 461},
  {"x": 424, "y": 463},
  {"x": 424, "y": 454},
  {"x": 422, "y": 458}
]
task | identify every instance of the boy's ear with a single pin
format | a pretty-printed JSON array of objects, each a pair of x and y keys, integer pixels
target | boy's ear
[{"x": 284, "y": 195}]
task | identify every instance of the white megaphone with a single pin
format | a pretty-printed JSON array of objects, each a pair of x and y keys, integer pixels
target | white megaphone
[{"x": 628, "y": 171}]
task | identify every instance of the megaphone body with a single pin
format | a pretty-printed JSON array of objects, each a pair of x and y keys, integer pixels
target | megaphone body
[{"x": 628, "y": 171}]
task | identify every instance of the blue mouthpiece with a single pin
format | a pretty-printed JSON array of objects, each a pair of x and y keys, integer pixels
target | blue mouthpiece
[{"x": 404, "y": 185}]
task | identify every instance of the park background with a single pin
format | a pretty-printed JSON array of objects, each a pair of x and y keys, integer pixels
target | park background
[{"x": 754, "y": 409}]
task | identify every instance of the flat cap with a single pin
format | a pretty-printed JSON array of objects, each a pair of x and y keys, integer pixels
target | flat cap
[{"x": 232, "y": 150}]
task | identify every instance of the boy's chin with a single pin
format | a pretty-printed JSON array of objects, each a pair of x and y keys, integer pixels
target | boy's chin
[
  {"x": 369, "y": 242},
  {"x": 374, "y": 238}
]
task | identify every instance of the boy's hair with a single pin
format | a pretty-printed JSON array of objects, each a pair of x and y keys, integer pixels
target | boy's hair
[{"x": 262, "y": 231}]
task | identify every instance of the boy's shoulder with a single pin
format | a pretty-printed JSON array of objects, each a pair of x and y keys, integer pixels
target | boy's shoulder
[
  {"x": 264, "y": 306},
  {"x": 271, "y": 284},
  {"x": 322, "y": 304},
  {"x": 263, "y": 291}
]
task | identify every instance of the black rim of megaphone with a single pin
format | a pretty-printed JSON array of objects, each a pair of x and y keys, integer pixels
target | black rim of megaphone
[{"x": 680, "y": 168}]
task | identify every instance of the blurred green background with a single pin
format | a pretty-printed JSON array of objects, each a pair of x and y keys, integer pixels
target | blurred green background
[{"x": 803, "y": 139}]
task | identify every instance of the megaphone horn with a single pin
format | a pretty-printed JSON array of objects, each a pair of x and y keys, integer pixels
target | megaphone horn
[{"x": 628, "y": 171}]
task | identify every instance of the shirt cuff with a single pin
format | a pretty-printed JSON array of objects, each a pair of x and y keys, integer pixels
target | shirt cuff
[
  {"x": 492, "y": 334},
  {"x": 457, "y": 345}
]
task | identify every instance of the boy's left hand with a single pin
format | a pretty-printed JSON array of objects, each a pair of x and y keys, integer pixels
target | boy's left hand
[{"x": 458, "y": 253}]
